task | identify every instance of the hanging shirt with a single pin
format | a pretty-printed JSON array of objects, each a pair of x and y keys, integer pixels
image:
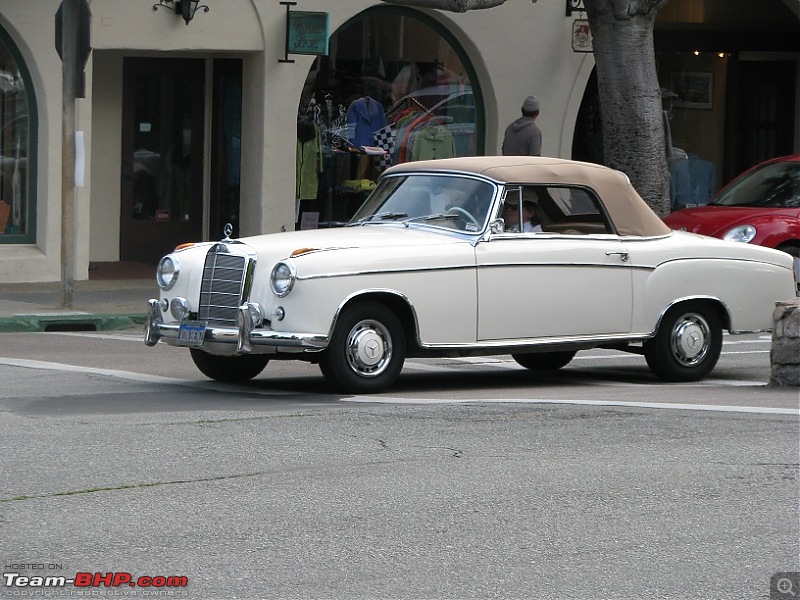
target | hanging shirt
[
  {"x": 309, "y": 164},
  {"x": 433, "y": 141}
]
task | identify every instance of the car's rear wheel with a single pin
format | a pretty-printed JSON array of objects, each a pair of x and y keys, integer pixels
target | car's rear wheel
[
  {"x": 688, "y": 343},
  {"x": 544, "y": 361},
  {"x": 366, "y": 352},
  {"x": 230, "y": 369}
]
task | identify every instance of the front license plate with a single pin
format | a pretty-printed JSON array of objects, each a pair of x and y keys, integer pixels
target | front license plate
[{"x": 191, "y": 334}]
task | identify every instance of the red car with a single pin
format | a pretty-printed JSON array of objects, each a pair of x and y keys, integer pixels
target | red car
[{"x": 761, "y": 206}]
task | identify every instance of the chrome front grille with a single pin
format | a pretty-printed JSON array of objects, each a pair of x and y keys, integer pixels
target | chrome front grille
[{"x": 222, "y": 288}]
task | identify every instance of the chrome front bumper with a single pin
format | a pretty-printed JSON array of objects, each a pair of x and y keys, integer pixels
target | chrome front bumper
[{"x": 244, "y": 337}]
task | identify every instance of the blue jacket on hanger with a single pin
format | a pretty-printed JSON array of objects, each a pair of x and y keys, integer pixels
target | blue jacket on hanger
[{"x": 364, "y": 116}]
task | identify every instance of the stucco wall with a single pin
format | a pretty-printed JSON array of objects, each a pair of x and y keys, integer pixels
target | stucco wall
[{"x": 106, "y": 155}]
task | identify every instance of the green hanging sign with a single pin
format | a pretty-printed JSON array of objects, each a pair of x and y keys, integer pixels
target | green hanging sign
[{"x": 307, "y": 33}]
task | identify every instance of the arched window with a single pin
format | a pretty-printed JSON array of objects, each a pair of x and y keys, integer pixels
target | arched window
[
  {"x": 395, "y": 87},
  {"x": 17, "y": 130}
]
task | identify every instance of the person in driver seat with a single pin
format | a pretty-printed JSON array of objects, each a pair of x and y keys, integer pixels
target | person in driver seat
[{"x": 530, "y": 218}]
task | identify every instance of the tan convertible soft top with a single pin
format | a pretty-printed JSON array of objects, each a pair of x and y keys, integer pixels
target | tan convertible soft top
[{"x": 630, "y": 214}]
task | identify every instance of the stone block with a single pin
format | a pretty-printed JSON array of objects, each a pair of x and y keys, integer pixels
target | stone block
[{"x": 785, "y": 351}]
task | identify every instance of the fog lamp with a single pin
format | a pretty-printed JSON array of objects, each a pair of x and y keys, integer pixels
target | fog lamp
[{"x": 179, "y": 308}]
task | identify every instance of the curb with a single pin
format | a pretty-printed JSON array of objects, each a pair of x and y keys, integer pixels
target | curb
[{"x": 70, "y": 322}]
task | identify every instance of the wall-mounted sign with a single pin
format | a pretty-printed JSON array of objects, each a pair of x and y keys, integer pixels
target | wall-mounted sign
[
  {"x": 581, "y": 36},
  {"x": 308, "y": 33}
]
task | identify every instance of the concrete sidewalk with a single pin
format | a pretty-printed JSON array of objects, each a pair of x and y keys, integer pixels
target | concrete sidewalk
[{"x": 114, "y": 297}]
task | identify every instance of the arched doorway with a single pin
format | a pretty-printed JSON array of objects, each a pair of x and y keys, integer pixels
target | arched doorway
[{"x": 395, "y": 87}]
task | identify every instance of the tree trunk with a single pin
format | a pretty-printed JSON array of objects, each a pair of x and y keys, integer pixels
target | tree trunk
[{"x": 630, "y": 98}]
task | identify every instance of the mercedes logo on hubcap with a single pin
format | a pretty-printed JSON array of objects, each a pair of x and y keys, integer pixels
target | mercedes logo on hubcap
[
  {"x": 694, "y": 340},
  {"x": 371, "y": 349}
]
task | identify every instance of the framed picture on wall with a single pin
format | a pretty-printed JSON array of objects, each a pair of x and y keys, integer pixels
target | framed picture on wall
[{"x": 694, "y": 90}]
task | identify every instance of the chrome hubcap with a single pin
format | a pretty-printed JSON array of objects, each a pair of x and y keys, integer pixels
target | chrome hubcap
[
  {"x": 369, "y": 348},
  {"x": 690, "y": 340}
]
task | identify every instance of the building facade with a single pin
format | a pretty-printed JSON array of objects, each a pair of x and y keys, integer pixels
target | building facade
[{"x": 187, "y": 125}]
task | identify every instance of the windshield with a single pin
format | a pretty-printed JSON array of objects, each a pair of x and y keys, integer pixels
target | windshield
[
  {"x": 452, "y": 201},
  {"x": 775, "y": 185}
]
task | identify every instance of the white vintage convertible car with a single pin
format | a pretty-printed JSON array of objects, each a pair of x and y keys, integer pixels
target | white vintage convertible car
[{"x": 428, "y": 267}]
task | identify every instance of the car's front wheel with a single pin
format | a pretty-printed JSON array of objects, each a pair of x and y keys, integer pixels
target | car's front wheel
[
  {"x": 230, "y": 369},
  {"x": 688, "y": 343},
  {"x": 544, "y": 361},
  {"x": 366, "y": 352},
  {"x": 792, "y": 250}
]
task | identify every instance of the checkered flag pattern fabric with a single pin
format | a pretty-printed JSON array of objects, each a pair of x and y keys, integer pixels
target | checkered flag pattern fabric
[{"x": 384, "y": 138}]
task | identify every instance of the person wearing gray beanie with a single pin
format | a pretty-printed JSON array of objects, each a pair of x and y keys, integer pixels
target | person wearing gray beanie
[{"x": 523, "y": 137}]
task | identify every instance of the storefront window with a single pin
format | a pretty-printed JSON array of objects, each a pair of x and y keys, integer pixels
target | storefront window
[
  {"x": 693, "y": 95},
  {"x": 394, "y": 88},
  {"x": 15, "y": 129}
]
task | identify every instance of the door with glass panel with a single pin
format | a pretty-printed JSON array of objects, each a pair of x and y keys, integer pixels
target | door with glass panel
[{"x": 162, "y": 156}]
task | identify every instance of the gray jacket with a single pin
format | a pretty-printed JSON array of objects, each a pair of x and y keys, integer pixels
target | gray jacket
[{"x": 522, "y": 138}]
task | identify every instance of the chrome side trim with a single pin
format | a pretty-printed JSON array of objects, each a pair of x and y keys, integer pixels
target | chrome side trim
[
  {"x": 382, "y": 272},
  {"x": 720, "y": 259},
  {"x": 725, "y": 307},
  {"x": 370, "y": 292},
  {"x": 543, "y": 342},
  {"x": 463, "y": 267}
]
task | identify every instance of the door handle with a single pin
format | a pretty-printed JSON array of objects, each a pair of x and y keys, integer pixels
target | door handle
[{"x": 623, "y": 256}]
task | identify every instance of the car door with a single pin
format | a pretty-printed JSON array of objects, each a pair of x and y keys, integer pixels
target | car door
[{"x": 573, "y": 279}]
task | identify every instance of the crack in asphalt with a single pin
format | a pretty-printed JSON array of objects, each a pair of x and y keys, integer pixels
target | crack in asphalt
[{"x": 129, "y": 487}]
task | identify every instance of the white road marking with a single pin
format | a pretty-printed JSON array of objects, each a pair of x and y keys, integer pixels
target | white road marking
[
  {"x": 761, "y": 340},
  {"x": 130, "y": 376},
  {"x": 673, "y": 406},
  {"x": 51, "y": 366}
]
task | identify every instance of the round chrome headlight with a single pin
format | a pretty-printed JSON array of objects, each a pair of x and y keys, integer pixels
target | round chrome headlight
[
  {"x": 167, "y": 272},
  {"x": 742, "y": 233},
  {"x": 282, "y": 279}
]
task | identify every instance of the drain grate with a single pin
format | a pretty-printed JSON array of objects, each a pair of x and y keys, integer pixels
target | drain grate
[{"x": 69, "y": 326}]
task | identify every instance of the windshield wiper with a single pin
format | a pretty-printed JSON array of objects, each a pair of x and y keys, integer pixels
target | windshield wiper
[
  {"x": 426, "y": 218},
  {"x": 447, "y": 216},
  {"x": 387, "y": 216}
]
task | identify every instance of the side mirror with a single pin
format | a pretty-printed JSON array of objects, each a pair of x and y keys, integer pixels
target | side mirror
[{"x": 497, "y": 226}]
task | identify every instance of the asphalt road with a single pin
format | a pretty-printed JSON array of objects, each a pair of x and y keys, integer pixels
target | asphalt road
[{"x": 469, "y": 479}]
